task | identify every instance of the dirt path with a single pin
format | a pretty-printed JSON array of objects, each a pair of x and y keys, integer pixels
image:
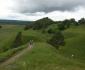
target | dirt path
[{"x": 12, "y": 59}]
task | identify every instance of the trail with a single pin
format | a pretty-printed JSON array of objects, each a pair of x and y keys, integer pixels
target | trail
[{"x": 12, "y": 59}]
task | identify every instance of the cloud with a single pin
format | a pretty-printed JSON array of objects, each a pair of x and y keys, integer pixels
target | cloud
[
  {"x": 55, "y": 15},
  {"x": 32, "y": 10},
  {"x": 47, "y": 5},
  {"x": 78, "y": 13}
]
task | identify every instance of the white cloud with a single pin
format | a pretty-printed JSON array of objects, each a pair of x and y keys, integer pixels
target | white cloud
[
  {"x": 5, "y": 7},
  {"x": 61, "y": 15},
  {"x": 55, "y": 15},
  {"x": 26, "y": 6},
  {"x": 8, "y": 11}
]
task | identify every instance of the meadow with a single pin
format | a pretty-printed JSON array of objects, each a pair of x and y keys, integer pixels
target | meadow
[
  {"x": 43, "y": 56},
  {"x": 7, "y": 37}
]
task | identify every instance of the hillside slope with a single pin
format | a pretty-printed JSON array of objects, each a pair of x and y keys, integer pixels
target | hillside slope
[{"x": 45, "y": 57}]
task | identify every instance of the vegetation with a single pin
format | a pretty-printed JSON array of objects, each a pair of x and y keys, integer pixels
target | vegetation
[
  {"x": 18, "y": 40},
  {"x": 42, "y": 23},
  {"x": 7, "y": 36},
  {"x": 81, "y": 21},
  {"x": 57, "y": 40},
  {"x": 67, "y": 36},
  {"x": 0, "y": 27},
  {"x": 28, "y": 26}
]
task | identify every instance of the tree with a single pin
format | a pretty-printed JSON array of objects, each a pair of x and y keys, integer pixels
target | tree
[
  {"x": 57, "y": 40},
  {"x": 61, "y": 26},
  {"x": 0, "y": 27},
  {"x": 50, "y": 31},
  {"x": 18, "y": 40},
  {"x": 64, "y": 25},
  {"x": 81, "y": 21},
  {"x": 28, "y": 26},
  {"x": 42, "y": 23},
  {"x": 73, "y": 21}
]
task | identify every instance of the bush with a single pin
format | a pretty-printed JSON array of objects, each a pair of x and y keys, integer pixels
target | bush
[
  {"x": 18, "y": 40},
  {"x": 28, "y": 26},
  {"x": 57, "y": 40},
  {"x": 81, "y": 21},
  {"x": 0, "y": 27},
  {"x": 52, "y": 31},
  {"x": 61, "y": 26}
]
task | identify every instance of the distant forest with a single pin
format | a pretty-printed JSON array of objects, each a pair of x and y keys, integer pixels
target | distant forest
[{"x": 15, "y": 22}]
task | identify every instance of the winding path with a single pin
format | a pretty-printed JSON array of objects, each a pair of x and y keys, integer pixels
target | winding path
[{"x": 12, "y": 59}]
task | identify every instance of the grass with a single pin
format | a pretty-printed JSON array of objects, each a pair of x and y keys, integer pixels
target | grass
[
  {"x": 7, "y": 37},
  {"x": 75, "y": 43},
  {"x": 45, "y": 57}
]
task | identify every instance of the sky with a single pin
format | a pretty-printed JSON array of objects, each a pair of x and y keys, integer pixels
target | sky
[{"x": 32, "y": 10}]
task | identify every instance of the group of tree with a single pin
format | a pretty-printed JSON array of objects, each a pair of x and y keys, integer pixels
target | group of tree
[
  {"x": 45, "y": 22},
  {"x": 67, "y": 23},
  {"x": 42, "y": 23}
]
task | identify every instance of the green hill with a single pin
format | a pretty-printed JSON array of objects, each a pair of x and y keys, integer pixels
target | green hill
[{"x": 45, "y": 57}]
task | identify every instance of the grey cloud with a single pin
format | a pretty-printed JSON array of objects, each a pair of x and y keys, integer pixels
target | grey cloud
[{"x": 25, "y": 6}]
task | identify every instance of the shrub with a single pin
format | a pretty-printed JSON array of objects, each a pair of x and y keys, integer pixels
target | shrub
[
  {"x": 18, "y": 40},
  {"x": 28, "y": 26},
  {"x": 42, "y": 23},
  {"x": 61, "y": 26},
  {"x": 81, "y": 21},
  {"x": 0, "y": 27},
  {"x": 52, "y": 31},
  {"x": 57, "y": 40}
]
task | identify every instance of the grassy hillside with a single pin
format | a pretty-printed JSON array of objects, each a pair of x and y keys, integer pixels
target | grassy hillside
[
  {"x": 75, "y": 43},
  {"x": 7, "y": 37},
  {"x": 8, "y": 33},
  {"x": 45, "y": 57}
]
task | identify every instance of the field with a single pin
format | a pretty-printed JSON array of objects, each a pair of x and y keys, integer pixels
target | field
[
  {"x": 7, "y": 36},
  {"x": 44, "y": 56}
]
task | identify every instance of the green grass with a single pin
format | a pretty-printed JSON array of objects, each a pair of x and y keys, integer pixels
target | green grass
[
  {"x": 45, "y": 57},
  {"x": 36, "y": 35},
  {"x": 7, "y": 37},
  {"x": 75, "y": 43}
]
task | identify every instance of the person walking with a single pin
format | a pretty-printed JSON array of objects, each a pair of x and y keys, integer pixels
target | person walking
[{"x": 30, "y": 43}]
